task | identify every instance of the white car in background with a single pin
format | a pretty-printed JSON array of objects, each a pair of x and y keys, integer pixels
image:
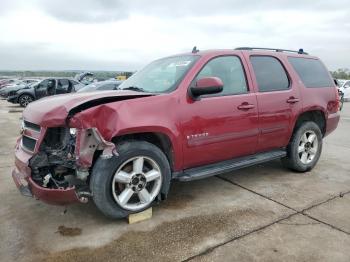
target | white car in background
[{"x": 344, "y": 86}]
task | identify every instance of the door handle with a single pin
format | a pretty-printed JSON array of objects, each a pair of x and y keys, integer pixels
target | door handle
[
  {"x": 245, "y": 106},
  {"x": 292, "y": 100}
]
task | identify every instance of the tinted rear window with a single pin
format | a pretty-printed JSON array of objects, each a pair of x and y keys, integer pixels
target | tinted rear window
[
  {"x": 311, "y": 72},
  {"x": 270, "y": 74}
]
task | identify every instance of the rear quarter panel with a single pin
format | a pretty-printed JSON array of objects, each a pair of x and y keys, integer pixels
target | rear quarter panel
[{"x": 319, "y": 98}]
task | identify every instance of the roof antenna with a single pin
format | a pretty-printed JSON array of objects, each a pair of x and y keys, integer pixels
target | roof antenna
[{"x": 195, "y": 50}]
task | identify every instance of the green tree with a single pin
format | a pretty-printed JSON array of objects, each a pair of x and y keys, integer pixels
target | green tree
[{"x": 341, "y": 73}]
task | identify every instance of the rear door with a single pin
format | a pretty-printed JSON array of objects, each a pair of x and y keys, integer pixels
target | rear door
[{"x": 278, "y": 100}]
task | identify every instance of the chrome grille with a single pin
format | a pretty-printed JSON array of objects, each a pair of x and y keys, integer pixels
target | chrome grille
[{"x": 30, "y": 135}]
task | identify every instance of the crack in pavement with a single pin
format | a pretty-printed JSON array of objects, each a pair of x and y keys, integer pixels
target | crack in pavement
[
  {"x": 302, "y": 212},
  {"x": 278, "y": 221},
  {"x": 259, "y": 194},
  {"x": 299, "y": 224},
  {"x": 325, "y": 223},
  {"x": 210, "y": 249}
]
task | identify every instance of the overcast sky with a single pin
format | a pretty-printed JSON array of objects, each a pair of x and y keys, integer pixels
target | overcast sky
[{"x": 125, "y": 35}]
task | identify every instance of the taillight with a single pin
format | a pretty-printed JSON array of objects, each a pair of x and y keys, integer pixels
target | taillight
[{"x": 337, "y": 98}]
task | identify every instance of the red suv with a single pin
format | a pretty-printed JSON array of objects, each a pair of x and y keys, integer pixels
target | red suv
[{"x": 184, "y": 117}]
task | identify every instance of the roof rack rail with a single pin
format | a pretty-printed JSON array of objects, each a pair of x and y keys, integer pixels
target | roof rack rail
[{"x": 300, "y": 51}]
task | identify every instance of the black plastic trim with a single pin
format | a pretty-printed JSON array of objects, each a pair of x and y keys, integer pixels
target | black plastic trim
[{"x": 228, "y": 165}]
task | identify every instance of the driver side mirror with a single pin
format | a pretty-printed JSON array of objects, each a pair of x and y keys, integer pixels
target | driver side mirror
[{"x": 206, "y": 86}]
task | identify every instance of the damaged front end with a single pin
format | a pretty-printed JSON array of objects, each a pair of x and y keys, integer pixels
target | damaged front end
[
  {"x": 56, "y": 152},
  {"x": 61, "y": 164}
]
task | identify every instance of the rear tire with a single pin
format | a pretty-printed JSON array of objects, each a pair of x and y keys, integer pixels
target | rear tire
[
  {"x": 304, "y": 148},
  {"x": 25, "y": 99},
  {"x": 130, "y": 182}
]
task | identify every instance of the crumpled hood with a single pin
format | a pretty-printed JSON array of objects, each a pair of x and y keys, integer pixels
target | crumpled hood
[{"x": 53, "y": 111}]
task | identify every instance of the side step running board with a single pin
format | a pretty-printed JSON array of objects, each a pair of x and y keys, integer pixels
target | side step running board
[{"x": 228, "y": 165}]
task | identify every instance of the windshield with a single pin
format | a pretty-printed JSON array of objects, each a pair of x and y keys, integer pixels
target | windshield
[{"x": 160, "y": 76}]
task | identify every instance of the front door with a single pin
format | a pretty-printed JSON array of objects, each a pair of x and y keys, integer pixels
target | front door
[
  {"x": 45, "y": 88},
  {"x": 221, "y": 126}
]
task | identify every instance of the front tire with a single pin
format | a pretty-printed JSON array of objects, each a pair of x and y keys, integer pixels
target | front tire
[
  {"x": 130, "y": 182},
  {"x": 25, "y": 99},
  {"x": 304, "y": 148}
]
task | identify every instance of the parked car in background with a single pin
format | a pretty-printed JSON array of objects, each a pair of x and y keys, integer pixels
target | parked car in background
[
  {"x": 12, "y": 89},
  {"x": 30, "y": 81},
  {"x": 183, "y": 117},
  {"x": 47, "y": 87},
  {"x": 101, "y": 86},
  {"x": 7, "y": 82},
  {"x": 344, "y": 87},
  {"x": 341, "y": 95},
  {"x": 85, "y": 78}
]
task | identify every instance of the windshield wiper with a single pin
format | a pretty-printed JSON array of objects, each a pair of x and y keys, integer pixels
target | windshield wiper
[{"x": 134, "y": 88}]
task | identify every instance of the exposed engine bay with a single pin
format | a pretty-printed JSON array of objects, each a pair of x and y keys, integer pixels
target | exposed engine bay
[
  {"x": 65, "y": 158},
  {"x": 55, "y": 159}
]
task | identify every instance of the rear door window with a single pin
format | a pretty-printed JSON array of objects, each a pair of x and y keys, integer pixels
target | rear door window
[
  {"x": 311, "y": 72},
  {"x": 270, "y": 74}
]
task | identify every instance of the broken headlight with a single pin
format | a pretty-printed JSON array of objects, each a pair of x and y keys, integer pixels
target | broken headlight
[{"x": 72, "y": 131}]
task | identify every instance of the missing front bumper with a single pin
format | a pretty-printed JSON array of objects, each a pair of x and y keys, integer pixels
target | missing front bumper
[{"x": 29, "y": 188}]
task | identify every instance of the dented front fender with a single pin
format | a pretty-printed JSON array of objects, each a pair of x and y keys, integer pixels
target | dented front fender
[{"x": 87, "y": 142}]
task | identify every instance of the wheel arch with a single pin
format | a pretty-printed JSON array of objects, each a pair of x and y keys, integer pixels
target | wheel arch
[
  {"x": 159, "y": 139},
  {"x": 25, "y": 93},
  {"x": 317, "y": 116}
]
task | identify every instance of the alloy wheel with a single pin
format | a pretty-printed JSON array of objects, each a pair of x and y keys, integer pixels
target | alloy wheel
[
  {"x": 136, "y": 183},
  {"x": 25, "y": 100},
  {"x": 308, "y": 146}
]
